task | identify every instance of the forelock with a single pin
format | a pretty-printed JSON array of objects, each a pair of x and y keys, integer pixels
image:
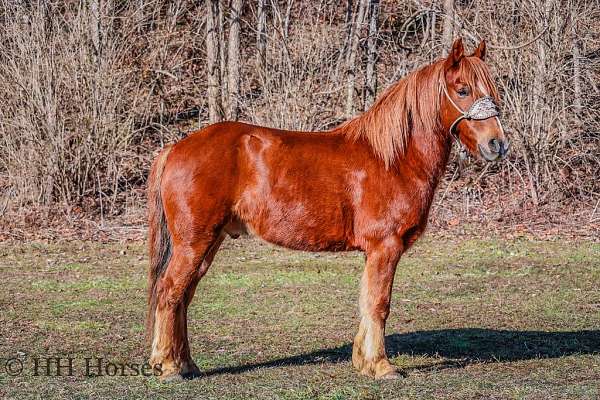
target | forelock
[{"x": 477, "y": 75}]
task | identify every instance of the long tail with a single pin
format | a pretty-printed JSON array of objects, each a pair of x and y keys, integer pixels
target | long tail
[{"x": 159, "y": 238}]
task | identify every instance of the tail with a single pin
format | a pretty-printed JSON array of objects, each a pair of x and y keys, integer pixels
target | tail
[{"x": 159, "y": 238}]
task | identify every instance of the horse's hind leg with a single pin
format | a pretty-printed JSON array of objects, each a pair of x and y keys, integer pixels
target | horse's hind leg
[
  {"x": 170, "y": 347},
  {"x": 189, "y": 295},
  {"x": 206, "y": 263}
]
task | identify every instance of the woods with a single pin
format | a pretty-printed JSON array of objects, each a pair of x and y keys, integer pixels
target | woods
[{"x": 90, "y": 90}]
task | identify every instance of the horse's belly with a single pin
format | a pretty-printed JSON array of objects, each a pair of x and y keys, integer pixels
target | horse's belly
[{"x": 296, "y": 225}]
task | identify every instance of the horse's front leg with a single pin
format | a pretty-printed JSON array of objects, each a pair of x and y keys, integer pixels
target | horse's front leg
[{"x": 368, "y": 352}]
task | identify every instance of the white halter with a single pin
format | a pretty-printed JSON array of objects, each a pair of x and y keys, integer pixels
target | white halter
[{"x": 483, "y": 108}]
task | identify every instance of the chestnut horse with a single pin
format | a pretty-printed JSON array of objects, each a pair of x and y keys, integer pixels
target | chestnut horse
[{"x": 366, "y": 185}]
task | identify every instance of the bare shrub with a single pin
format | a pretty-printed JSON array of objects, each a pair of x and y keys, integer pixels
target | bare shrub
[
  {"x": 537, "y": 82},
  {"x": 300, "y": 89},
  {"x": 64, "y": 123},
  {"x": 88, "y": 90},
  {"x": 549, "y": 98}
]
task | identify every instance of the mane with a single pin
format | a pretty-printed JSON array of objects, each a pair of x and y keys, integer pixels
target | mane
[{"x": 411, "y": 107}]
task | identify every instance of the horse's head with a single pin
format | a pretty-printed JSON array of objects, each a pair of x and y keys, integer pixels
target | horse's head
[{"x": 469, "y": 103}]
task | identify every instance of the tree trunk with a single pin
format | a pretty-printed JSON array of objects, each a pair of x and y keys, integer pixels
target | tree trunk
[
  {"x": 286, "y": 22},
  {"x": 223, "y": 61},
  {"x": 576, "y": 54},
  {"x": 433, "y": 23},
  {"x": 371, "y": 72},
  {"x": 261, "y": 36},
  {"x": 343, "y": 56},
  {"x": 96, "y": 28},
  {"x": 448, "y": 29},
  {"x": 95, "y": 23},
  {"x": 351, "y": 59},
  {"x": 140, "y": 16},
  {"x": 540, "y": 134},
  {"x": 212, "y": 59},
  {"x": 233, "y": 60}
]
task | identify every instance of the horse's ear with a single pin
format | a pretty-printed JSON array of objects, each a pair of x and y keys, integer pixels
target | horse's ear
[
  {"x": 480, "y": 51},
  {"x": 457, "y": 52}
]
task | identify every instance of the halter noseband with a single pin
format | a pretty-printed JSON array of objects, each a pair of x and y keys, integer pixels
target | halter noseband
[{"x": 483, "y": 108}]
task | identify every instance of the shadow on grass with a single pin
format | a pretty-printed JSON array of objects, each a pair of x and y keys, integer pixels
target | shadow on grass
[{"x": 461, "y": 346}]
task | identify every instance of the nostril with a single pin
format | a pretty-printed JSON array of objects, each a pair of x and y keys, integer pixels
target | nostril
[{"x": 495, "y": 146}]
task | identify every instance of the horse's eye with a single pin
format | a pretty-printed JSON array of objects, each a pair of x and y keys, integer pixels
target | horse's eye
[{"x": 463, "y": 92}]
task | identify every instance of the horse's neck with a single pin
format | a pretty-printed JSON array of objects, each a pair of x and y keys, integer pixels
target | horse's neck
[{"x": 425, "y": 161}]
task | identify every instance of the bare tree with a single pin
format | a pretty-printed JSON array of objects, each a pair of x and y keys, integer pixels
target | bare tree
[
  {"x": 283, "y": 21},
  {"x": 576, "y": 54},
  {"x": 95, "y": 25},
  {"x": 212, "y": 59},
  {"x": 448, "y": 29},
  {"x": 223, "y": 60},
  {"x": 261, "y": 36},
  {"x": 140, "y": 15},
  {"x": 432, "y": 23},
  {"x": 351, "y": 56},
  {"x": 288, "y": 14},
  {"x": 104, "y": 83},
  {"x": 348, "y": 23},
  {"x": 233, "y": 60},
  {"x": 371, "y": 71}
]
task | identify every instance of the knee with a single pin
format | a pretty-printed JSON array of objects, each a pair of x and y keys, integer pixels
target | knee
[
  {"x": 392, "y": 245},
  {"x": 382, "y": 310},
  {"x": 173, "y": 299}
]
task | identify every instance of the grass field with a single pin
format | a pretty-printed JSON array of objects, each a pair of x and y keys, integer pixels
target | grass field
[{"x": 470, "y": 319}]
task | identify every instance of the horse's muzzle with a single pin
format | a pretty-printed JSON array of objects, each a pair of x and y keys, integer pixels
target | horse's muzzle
[{"x": 495, "y": 150}]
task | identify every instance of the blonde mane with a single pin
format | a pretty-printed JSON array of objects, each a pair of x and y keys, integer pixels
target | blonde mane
[{"x": 411, "y": 107}]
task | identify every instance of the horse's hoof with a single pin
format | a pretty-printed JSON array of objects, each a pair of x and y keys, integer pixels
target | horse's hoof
[{"x": 189, "y": 372}]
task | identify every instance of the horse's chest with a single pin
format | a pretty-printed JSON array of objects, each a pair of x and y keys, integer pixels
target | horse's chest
[{"x": 397, "y": 210}]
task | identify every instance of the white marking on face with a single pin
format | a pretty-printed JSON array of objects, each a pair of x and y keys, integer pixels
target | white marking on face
[
  {"x": 482, "y": 89},
  {"x": 485, "y": 92}
]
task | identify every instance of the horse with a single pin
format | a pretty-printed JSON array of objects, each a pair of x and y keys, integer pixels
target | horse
[{"x": 366, "y": 185}]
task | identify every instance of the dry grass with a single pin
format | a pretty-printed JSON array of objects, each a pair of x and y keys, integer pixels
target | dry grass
[{"x": 470, "y": 319}]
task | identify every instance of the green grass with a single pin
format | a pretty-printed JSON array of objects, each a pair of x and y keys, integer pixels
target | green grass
[{"x": 484, "y": 318}]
